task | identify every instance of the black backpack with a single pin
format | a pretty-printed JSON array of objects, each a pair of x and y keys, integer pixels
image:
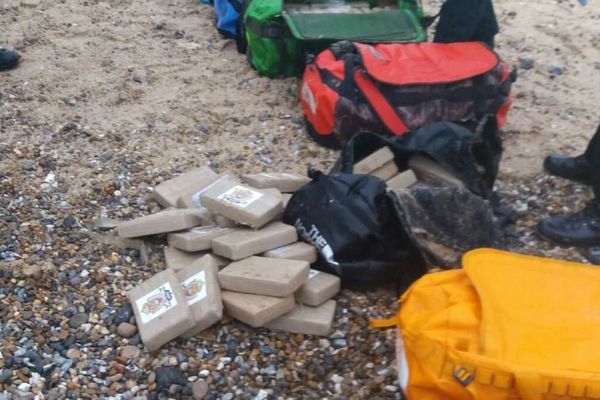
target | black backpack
[{"x": 353, "y": 221}]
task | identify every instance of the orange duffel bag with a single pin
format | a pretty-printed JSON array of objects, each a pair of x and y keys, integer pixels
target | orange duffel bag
[{"x": 505, "y": 327}]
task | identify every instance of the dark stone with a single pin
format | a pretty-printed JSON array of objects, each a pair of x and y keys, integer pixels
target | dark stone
[
  {"x": 10, "y": 361},
  {"x": 75, "y": 281},
  {"x": 181, "y": 357},
  {"x": 28, "y": 166},
  {"x": 36, "y": 360},
  {"x": 124, "y": 314},
  {"x": 77, "y": 320},
  {"x": 526, "y": 63},
  {"x": 186, "y": 391},
  {"x": 339, "y": 343},
  {"x": 265, "y": 117},
  {"x": 69, "y": 222},
  {"x": 556, "y": 70},
  {"x": 232, "y": 351},
  {"x": 58, "y": 346},
  {"x": 5, "y": 375},
  {"x": 593, "y": 255},
  {"x": 134, "y": 341},
  {"x": 266, "y": 350},
  {"x": 214, "y": 164},
  {"x": 201, "y": 127},
  {"x": 167, "y": 376}
]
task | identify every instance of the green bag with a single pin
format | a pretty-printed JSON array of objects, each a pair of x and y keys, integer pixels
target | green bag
[
  {"x": 278, "y": 37},
  {"x": 272, "y": 50}
]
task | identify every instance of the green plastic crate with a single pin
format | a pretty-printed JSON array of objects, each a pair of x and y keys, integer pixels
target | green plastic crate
[
  {"x": 375, "y": 25},
  {"x": 280, "y": 32}
]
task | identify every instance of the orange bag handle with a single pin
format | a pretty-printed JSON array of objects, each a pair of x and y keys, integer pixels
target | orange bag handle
[{"x": 383, "y": 323}]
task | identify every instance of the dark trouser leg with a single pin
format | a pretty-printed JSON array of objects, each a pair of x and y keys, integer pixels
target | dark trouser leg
[
  {"x": 593, "y": 156},
  {"x": 467, "y": 20}
]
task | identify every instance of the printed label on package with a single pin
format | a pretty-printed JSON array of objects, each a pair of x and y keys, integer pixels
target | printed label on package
[
  {"x": 156, "y": 303},
  {"x": 312, "y": 273},
  {"x": 194, "y": 287},
  {"x": 240, "y": 196}
]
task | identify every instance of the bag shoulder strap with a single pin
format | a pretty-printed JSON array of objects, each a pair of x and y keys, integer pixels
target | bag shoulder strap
[
  {"x": 379, "y": 103},
  {"x": 383, "y": 323}
]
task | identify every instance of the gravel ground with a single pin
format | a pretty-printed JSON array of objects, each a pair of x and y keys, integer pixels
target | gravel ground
[{"x": 112, "y": 98}]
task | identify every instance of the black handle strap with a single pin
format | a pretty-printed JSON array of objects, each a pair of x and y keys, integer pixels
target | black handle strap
[{"x": 347, "y": 155}]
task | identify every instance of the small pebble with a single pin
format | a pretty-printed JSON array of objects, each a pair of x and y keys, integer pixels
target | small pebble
[
  {"x": 126, "y": 330},
  {"x": 130, "y": 352},
  {"x": 73, "y": 353},
  {"x": 5, "y": 375},
  {"x": 390, "y": 388},
  {"x": 199, "y": 389},
  {"x": 526, "y": 63},
  {"x": 78, "y": 319},
  {"x": 556, "y": 70}
]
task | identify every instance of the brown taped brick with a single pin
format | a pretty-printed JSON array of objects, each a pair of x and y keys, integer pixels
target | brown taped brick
[
  {"x": 306, "y": 320},
  {"x": 284, "y": 182},
  {"x": 246, "y": 242},
  {"x": 295, "y": 251},
  {"x": 265, "y": 276},
  {"x": 160, "y": 309},
  {"x": 170, "y": 220},
  {"x": 167, "y": 192},
  {"x": 256, "y": 310},
  {"x": 319, "y": 288},
  {"x": 201, "y": 287},
  {"x": 241, "y": 203}
]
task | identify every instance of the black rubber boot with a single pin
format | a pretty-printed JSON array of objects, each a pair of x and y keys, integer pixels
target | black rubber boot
[
  {"x": 573, "y": 168},
  {"x": 580, "y": 228},
  {"x": 8, "y": 59}
]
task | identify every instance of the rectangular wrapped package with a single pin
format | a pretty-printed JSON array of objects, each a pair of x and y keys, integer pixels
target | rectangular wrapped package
[
  {"x": 161, "y": 309},
  {"x": 241, "y": 203},
  {"x": 247, "y": 242},
  {"x": 256, "y": 310},
  {"x": 201, "y": 288},
  {"x": 167, "y": 192},
  {"x": 165, "y": 221},
  {"x": 265, "y": 276},
  {"x": 306, "y": 320},
  {"x": 286, "y": 183}
]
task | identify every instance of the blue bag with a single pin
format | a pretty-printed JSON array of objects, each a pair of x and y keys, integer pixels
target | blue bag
[
  {"x": 228, "y": 13},
  {"x": 229, "y": 21}
]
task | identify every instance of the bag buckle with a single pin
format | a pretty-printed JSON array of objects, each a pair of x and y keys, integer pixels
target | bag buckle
[{"x": 463, "y": 376}]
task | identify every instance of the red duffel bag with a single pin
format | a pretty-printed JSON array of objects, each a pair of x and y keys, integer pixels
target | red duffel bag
[{"x": 395, "y": 88}]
